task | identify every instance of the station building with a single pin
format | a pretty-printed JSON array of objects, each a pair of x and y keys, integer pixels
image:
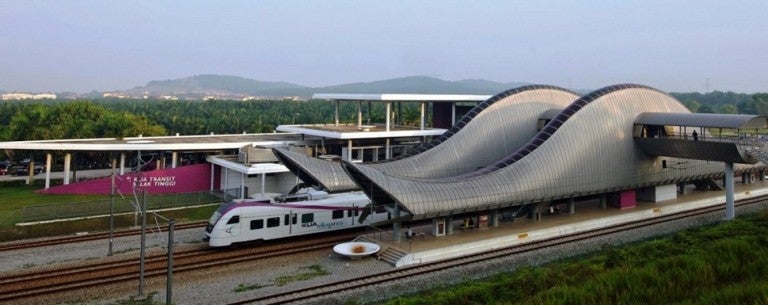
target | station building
[{"x": 523, "y": 150}]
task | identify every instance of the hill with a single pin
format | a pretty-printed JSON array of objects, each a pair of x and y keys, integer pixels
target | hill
[{"x": 199, "y": 86}]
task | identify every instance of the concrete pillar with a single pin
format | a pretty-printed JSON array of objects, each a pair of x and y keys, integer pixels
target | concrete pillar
[
  {"x": 359, "y": 113},
  {"x": 349, "y": 150},
  {"x": 213, "y": 171},
  {"x": 387, "y": 149},
  {"x": 389, "y": 115},
  {"x": 449, "y": 225},
  {"x": 453, "y": 113},
  {"x": 396, "y": 225},
  {"x": 603, "y": 201},
  {"x": 263, "y": 183},
  {"x": 31, "y": 171},
  {"x": 423, "y": 110},
  {"x": 494, "y": 221},
  {"x": 762, "y": 175},
  {"x": 571, "y": 206},
  {"x": 729, "y": 203},
  {"x": 242, "y": 186},
  {"x": 122, "y": 163},
  {"x": 174, "y": 158},
  {"x": 336, "y": 114},
  {"x": 67, "y": 165},
  {"x": 48, "y": 161}
]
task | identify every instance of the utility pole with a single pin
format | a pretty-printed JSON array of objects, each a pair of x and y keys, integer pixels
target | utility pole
[{"x": 112, "y": 205}]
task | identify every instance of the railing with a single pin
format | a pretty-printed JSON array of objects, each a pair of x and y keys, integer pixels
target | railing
[{"x": 741, "y": 139}]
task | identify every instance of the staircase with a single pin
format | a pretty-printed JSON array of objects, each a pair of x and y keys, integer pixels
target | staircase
[
  {"x": 708, "y": 184},
  {"x": 760, "y": 152},
  {"x": 391, "y": 255}
]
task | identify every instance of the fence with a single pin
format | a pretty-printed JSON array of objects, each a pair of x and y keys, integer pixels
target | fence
[{"x": 123, "y": 205}]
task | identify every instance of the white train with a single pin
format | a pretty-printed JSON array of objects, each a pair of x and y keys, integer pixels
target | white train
[{"x": 299, "y": 214}]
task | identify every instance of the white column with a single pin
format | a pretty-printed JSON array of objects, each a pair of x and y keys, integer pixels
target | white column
[
  {"x": 263, "y": 184},
  {"x": 387, "y": 150},
  {"x": 730, "y": 211},
  {"x": 174, "y": 157},
  {"x": 213, "y": 174},
  {"x": 389, "y": 114},
  {"x": 336, "y": 115},
  {"x": 349, "y": 150},
  {"x": 359, "y": 113},
  {"x": 242, "y": 185},
  {"x": 67, "y": 164},
  {"x": 48, "y": 159},
  {"x": 122, "y": 163},
  {"x": 453, "y": 113},
  {"x": 422, "y": 122}
]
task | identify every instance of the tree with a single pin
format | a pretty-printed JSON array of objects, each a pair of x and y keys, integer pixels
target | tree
[
  {"x": 728, "y": 109},
  {"x": 692, "y": 105}
]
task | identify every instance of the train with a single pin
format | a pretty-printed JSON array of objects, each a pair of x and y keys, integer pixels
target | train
[{"x": 307, "y": 212}]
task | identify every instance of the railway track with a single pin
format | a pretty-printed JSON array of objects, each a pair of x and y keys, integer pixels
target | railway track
[
  {"x": 29, "y": 285},
  {"x": 88, "y": 237},
  {"x": 318, "y": 292}
]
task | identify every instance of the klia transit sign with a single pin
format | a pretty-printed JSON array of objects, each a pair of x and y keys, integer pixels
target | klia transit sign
[{"x": 192, "y": 178}]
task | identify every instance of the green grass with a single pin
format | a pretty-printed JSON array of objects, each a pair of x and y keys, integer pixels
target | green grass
[
  {"x": 244, "y": 287},
  {"x": 312, "y": 272},
  {"x": 16, "y": 196},
  {"x": 721, "y": 264}
]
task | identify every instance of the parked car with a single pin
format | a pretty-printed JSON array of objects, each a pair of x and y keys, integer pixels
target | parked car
[
  {"x": 3, "y": 169},
  {"x": 18, "y": 170}
]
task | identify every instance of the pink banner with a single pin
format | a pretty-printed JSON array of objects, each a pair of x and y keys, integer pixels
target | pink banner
[{"x": 192, "y": 178}]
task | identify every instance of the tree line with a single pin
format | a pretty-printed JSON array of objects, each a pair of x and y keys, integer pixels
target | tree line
[{"x": 106, "y": 118}]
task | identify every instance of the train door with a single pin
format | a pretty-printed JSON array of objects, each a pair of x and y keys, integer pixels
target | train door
[
  {"x": 290, "y": 220},
  {"x": 233, "y": 226}
]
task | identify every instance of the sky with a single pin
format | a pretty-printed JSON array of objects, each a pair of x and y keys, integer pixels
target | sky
[{"x": 676, "y": 46}]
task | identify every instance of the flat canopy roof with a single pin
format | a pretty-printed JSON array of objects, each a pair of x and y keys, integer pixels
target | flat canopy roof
[
  {"x": 709, "y": 120},
  {"x": 389, "y": 97},
  {"x": 196, "y": 142},
  {"x": 353, "y": 131}
]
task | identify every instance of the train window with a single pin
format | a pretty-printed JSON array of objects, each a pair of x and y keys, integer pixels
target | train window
[
  {"x": 349, "y": 213},
  {"x": 234, "y": 219},
  {"x": 287, "y": 219},
  {"x": 305, "y": 218},
  {"x": 336, "y": 214},
  {"x": 273, "y": 222},
  {"x": 357, "y": 212},
  {"x": 257, "y": 224}
]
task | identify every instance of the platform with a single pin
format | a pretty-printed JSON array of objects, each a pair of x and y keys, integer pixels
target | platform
[{"x": 588, "y": 215}]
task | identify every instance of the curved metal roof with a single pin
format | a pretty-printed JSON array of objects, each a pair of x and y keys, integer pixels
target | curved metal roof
[
  {"x": 488, "y": 132},
  {"x": 709, "y": 120},
  {"x": 586, "y": 149}
]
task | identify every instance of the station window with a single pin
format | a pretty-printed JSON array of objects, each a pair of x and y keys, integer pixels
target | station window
[
  {"x": 257, "y": 224},
  {"x": 336, "y": 214},
  {"x": 288, "y": 218},
  {"x": 305, "y": 218},
  {"x": 234, "y": 219},
  {"x": 273, "y": 222}
]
